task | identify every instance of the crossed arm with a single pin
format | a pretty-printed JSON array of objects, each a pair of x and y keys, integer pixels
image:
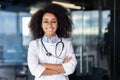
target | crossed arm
[{"x": 54, "y": 68}]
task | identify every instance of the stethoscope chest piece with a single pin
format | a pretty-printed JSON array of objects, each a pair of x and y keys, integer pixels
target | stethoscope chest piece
[{"x": 48, "y": 54}]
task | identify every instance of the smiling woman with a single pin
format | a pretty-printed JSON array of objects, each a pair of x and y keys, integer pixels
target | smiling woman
[{"x": 50, "y": 54}]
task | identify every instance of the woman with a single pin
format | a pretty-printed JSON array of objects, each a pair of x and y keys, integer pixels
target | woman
[{"x": 50, "y": 54}]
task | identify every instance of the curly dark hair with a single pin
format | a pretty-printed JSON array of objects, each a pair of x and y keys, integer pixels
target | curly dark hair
[{"x": 64, "y": 21}]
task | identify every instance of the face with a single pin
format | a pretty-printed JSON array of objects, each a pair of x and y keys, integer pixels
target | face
[{"x": 49, "y": 24}]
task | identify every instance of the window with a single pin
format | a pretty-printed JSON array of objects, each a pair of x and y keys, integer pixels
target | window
[{"x": 11, "y": 36}]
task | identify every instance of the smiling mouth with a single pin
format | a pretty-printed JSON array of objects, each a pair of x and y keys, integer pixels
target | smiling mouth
[{"x": 50, "y": 29}]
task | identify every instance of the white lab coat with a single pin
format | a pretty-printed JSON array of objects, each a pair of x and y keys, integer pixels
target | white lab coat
[{"x": 37, "y": 54}]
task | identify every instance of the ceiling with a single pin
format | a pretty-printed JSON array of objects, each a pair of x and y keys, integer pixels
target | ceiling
[{"x": 25, "y": 5}]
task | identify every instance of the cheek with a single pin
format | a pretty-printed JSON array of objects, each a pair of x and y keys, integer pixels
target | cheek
[
  {"x": 56, "y": 27},
  {"x": 43, "y": 26}
]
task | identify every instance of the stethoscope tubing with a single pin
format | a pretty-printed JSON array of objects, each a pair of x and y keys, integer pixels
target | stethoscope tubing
[
  {"x": 50, "y": 54},
  {"x": 60, "y": 42}
]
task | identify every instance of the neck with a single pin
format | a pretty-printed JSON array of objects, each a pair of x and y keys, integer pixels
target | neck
[{"x": 50, "y": 36}]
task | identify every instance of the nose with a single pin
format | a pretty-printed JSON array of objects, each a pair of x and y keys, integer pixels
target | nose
[{"x": 49, "y": 23}]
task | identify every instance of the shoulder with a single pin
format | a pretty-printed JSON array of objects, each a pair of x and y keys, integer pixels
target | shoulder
[
  {"x": 68, "y": 43},
  {"x": 66, "y": 40},
  {"x": 34, "y": 42}
]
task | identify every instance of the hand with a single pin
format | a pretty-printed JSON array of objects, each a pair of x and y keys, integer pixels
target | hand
[{"x": 67, "y": 59}]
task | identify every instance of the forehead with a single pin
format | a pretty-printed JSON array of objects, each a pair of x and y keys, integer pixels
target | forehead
[{"x": 49, "y": 16}]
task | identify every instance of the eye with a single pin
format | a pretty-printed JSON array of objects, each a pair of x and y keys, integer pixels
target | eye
[
  {"x": 45, "y": 21},
  {"x": 54, "y": 21}
]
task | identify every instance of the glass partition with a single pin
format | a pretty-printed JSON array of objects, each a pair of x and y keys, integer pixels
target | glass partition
[
  {"x": 11, "y": 46},
  {"x": 91, "y": 39},
  {"x": 86, "y": 39}
]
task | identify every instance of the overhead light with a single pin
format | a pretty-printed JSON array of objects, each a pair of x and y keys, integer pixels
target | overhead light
[
  {"x": 39, "y": 5},
  {"x": 67, "y": 5},
  {"x": 33, "y": 10}
]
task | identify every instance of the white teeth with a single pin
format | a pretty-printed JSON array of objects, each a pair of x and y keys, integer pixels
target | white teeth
[{"x": 49, "y": 29}]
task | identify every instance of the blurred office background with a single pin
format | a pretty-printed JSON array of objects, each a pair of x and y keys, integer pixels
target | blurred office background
[{"x": 95, "y": 38}]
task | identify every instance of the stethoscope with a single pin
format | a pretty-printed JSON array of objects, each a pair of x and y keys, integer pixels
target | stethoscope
[{"x": 50, "y": 54}]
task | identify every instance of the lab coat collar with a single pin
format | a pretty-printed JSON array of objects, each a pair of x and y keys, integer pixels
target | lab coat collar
[{"x": 50, "y": 40}]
